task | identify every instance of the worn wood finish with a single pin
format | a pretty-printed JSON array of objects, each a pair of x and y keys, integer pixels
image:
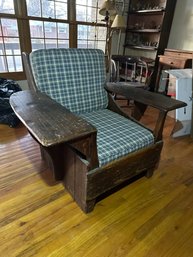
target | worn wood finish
[
  {"x": 150, "y": 217},
  {"x": 28, "y": 72},
  {"x": 144, "y": 98},
  {"x": 68, "y": 143},
  {"x": 49, "y": 122},
  {"x": 172, "y": 59},
  {"x": 100, "y": 181},
  {"x": 70, "y": 150},
  {"x": 158, "y": 101},
  {"x": 52, "y": 125}
]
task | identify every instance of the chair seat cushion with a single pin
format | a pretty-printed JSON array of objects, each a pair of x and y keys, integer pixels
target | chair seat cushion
[{"x": 116, "y": 135}]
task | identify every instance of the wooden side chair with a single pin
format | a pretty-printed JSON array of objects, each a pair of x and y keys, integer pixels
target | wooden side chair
[{"x": 84, "y": 137}]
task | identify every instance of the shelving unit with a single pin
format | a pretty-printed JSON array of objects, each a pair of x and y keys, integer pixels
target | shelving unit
[{"x": 148, "y": 28}]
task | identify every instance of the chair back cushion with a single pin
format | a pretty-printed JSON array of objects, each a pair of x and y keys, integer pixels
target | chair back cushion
[{"x": 73, "y": 77}]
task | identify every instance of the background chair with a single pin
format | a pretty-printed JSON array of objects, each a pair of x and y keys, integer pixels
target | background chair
[
  {"x": 84, "y": 137},
  {"x": 137, "y": 73}
]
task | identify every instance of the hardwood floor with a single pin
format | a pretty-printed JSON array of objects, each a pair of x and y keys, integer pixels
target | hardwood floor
[{"x": 148, "y": 218}]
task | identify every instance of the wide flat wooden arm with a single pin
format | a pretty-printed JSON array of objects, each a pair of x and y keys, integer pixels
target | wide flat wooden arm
[
  {"x": 48, "y": 121},
  {"x": 143, "y": 98},
  {"x": 158, "y": 101}
]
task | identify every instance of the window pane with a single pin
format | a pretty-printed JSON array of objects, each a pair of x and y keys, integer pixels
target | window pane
[
  {"x": 87, "y": 2},
  {"x": 47, "y": 31},
  {"x": 91, "y": 14},
  {"x": 10, "y": 59},
  {"x": 92, "y": 32},
  {"x": 63, "y": 30},
  {"x": 11, "y": 64},
  {"x": 88, "y": 10},
  {"x": 91, "y": 37},
  {"x": 82, "y": 44},
  {"x": 101, "y": 45},
  {"x": 1, "y": 47},
  {"x": 36, "y": 29},
  {"x": 84, "y": 13},
  {"x": 37, "y": 44},
  {"x": 81, "y": 2},
  {"x": 18, "y": 63},
  {"x": 50, "y": 29},
  {"x": 48, "y": 9},
  {"x": 9, "y": 27},
  {"x": 63, "y": 44},
  {"x": 55, "y": 9},
  {"x": 81, "y": 13},
  {"x": 3, "y": 66},
  {"x": 12, "y": 47},
  {"x": 91, "y": 44},
  {"x": 82, "y": 31},
  {"x": 50, "y": 43},
  {"x": 34, "y": 8},
  {"x": 7, "y": 6},
  {"x": 101, "y": 33},
  {"x": 61, "y": 10}
]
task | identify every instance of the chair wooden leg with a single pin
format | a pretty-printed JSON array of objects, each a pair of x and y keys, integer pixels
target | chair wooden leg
[
  {"x": 88, "y": 206},
  {"x": 149, "y": 173},
  {"x": 53, "y": 158}
]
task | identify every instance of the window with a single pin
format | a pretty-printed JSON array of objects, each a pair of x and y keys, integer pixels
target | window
[
  {"x": 55, "y": 9},
  {"x": 87, "y": 10},
  {"x": 90, "y": 36},
  {"x": 49, "y": 34},
  {"x": 10, "y": 52},
  {"x": 7, "y": 6},
  {"x": 27, "y": 25}
]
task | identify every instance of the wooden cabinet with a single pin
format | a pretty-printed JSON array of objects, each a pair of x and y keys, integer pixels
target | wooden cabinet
[{"x": 148, "y": 28}]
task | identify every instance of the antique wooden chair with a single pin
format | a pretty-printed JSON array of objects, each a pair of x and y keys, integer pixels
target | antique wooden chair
[{"x": 84, "y": 137}]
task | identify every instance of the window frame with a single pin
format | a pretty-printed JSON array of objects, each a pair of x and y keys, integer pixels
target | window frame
[{"x": 24, "y": 29}]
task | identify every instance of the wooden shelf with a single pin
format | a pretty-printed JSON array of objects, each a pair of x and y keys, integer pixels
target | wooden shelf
[
  {"x": 148, "y": 29},
  {"x": 144, "y": 30},
  {"x": 149, "y": 11},
  {"x": 151, "y": 48}
]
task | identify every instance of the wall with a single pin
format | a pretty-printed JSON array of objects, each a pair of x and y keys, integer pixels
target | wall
[
  {"x": 181, "y": 35},
  {"x": 23, "y": 84}
]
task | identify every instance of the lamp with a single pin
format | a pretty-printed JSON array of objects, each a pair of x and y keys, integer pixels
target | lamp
[
  {"x": 119, "y": 22},
  {"x": 107, "y": 7},
  {"x": 113, "y": 21}
]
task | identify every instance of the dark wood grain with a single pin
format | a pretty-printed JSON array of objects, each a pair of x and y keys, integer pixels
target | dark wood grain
[
  {"x": 49, "y": 122},
  {"x": 150, "y": 217},
  {"x": 69, "y": 144},
  {"x": 155, "y": 100},
  {"x": 101, "y": 181}
]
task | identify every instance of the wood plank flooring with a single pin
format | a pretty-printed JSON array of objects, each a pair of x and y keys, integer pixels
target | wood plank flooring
[{"x": 148, "y": 218}]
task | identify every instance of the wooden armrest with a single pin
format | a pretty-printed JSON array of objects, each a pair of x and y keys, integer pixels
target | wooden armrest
[
  {"x": 143, "y": 98},
  {"x": 158, "y": 101},
  {"x": 48, "y": 121}
]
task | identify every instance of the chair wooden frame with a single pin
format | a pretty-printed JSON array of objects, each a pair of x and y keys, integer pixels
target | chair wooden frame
[{"x": 71, "y": 151}]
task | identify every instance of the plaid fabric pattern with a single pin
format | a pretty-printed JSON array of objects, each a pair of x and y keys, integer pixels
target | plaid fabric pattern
[
  {"x": 73, "y": 77},
  {"x": 116, "y": 135}
]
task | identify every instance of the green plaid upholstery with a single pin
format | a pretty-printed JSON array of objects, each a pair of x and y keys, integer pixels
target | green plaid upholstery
[
  {"x": 73, "y": 77},
  {"x": 116, "y": 135}
]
